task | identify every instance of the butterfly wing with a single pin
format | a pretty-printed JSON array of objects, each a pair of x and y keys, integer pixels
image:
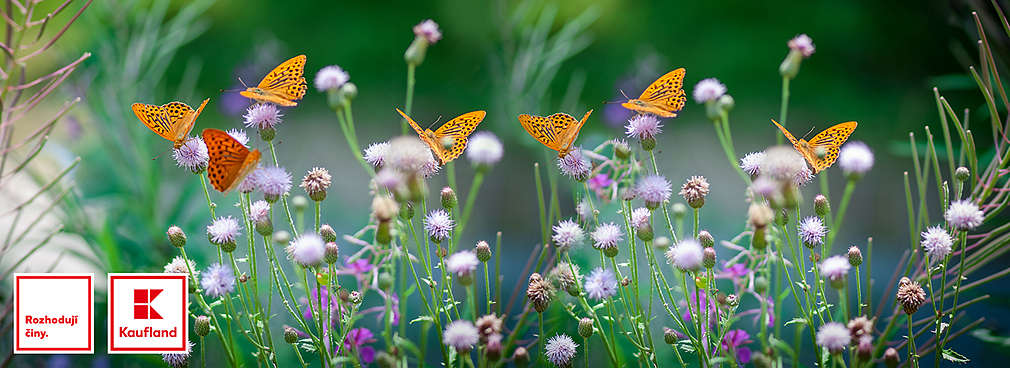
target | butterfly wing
[
  {"x": 570, "y": 129},
  {"x": 155, "y": 118},
  {"x": 459, "y": 129},
  {"x": 436, "y": 147},
  {"x": 664, "y": 97},
  {"x": 230, "y": 161},
  {"x": 785, "y": 132},
  {"x": 542, "y": 129},
  {"x": 831, "y": 141},
  {"x": 283, "y": 86},
  {"x": 185, "y": 121}
]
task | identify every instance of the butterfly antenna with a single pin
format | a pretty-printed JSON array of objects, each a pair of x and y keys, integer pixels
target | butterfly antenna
[
  {"x": 243, "y": 82},
  {"x": 435, "y": 122},
  {"x": 808, "y": 132},
  {"x": 622, "y": 94}
]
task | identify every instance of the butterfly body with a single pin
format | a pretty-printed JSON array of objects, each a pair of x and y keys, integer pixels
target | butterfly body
[
  {"x": 282, "y": 86},
  {"x": 664, "y": 97},
  {"x": 821, "y": 151},
  {"x": 230, "y": 161},
  {"x": 558, "y": 131},
  {"x": 172, "y": 121},
  {"x": 448, "y": 141}
]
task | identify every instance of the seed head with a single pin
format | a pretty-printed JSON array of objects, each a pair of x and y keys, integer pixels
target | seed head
[
  {"x": 694, "y": 191},
  {"x": 910, "y": 295},
  {"x": 539, "y": 292}
]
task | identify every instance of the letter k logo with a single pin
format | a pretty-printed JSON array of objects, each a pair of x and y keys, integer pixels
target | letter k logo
[{"x": 142, "y": 299}]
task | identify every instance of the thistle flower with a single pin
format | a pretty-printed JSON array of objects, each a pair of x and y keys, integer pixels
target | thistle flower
[
  {"x": 488, "y": 325},
  {"x": 561, "y": 350},
  {"x": 574, "y": 165},
  {"x": 601, "y": 284},
  {"x": 910, "y": 295},
  {"x": 606, "y": 236},
  {"x": 250, "y": 183},
  {"x": 751, "y": 163},
  {"x": 461, "y": 334},
  {"x": 833, "y": 336},
  {"x": 448, "y": 198},
  {"x": 859, "y": 327},
  {"x": 239, "y": 135},
  {"x": 218, "y": 280},
  {"x": 654, "y": 190},
  {"x": 782, "y": 163},
  {"x": 315, "y": 183},
  {"x": 262, "y": 116},
  {"x": 687, "y": 255},
  {"x": 803, "y": 176},
  {"x": 640, "y": 217},
  {"x": 567, "y": 233},
  {"x": 438, "y": 224},
  {"x": 407, "y": 154},
  {"x": 273, "y": 182},
  {"x": 462, "y": 264},
  {"x": 708, "y": 90},
  {"x": 331, "y": 78},
  {"x": 855, "y": 256},
  {"x": 176, "y": 236},
  {"x": 259, "y": 212},
  {"x": 812, "y": 231},
  {"x": 307, "y": 250},
  {"x": 178, "y": 360},
  {"x": 224, "y": 230},
  {"x": 764, "y": 186},
  {"x": 694, "y": 191},
  {"x": 566, "y": 275},
  {"x": 599, "y": 184},
  {"x": 327, "y": 233},
  {"x": 835, "y": 269},
  {"x": 539, "y": 292},
  {"x": 891, "y": 358},
  {"x": 192, "y": 155},
  {"x": 643, "y": 127},
  {"x": 855, "y": 159},
  {"x": 376, "y": 152},
  {"x": 802, "y": 44},
  {"x": 428, "y": 30},
  {"x": 483, "y": 251},
  {"x": 484, "y": 149},
  {"x": 937, "y": 242},
  {"x": 586, "y": 327},
  {"x": 390, "y": 179},
  {"x": 964, "y": 215},
  {"x": 179, "y": 265}
]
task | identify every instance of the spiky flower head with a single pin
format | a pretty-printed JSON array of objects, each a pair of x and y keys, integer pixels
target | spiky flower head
[
  {"x": 937, "y": 242},
  {"x": 331, "y": 78},
  {"x": 438, "y": 224},
  {"x": 539, "y": 292},
  {"x": 835, "y": 269},
  {"x": 561, "y": 350},
  {"x": 176, "y": 236},
  {"x": 218, "y": 280},
  {"x": 488, "y": 325},
  {"x": 484, "y": 149},
  {"x": 376, "y": 152},
  {"x": 687, "y": 255},
  {"x": 802, "y": 44},
  {"x": 812, "y": 231},
  {"x": 327, "y": 233},
  {"x": 694, "y": 191},
  {"x": 567, "y": 234},
  {"x": 586, "y": 327},
  {"x": 601, "y": 284},
  {"x": 566, "y": 275},
  {"x": 859, "y": 327},
  {"x": 751, "y": 163},
  {"x": 709, "y": 89},
  {"x": 606, "y": 236},
  {"x": 239, "y": 135},
  {"x": 855, "y": 256},
  {"x": 408, "y": 154},
  {"x": 855, "y": 159},
  {"x": 654, "y": 190},
  {"x": 910, "y": 295},
  {"x": 224, "y": 230},
  {"x": 273, "y": 182},
  {"x": 782, "y": 163},
  {"x": 192, "y": 155},
  {"x": 643, "y": 127},
  {"x": 178, "y": 360},
  {"x": 833, "y": 336},
  {"x": 180, "y": 265},
  {"x": 461, "y": 335},
  {"x": 574, "y": 165},
  {"x": 462, "y": 264},
  {"x": 483, "y": 251},
  {"x": 448, "y": 198},
  {"x": 307, "y": 250},
  {"x": 262, "y": 116},
  {"x": 964, "y": 215},
  {"x": 315, "y": 183},
  {"x": 428, "y": 30},
  {"x": 640, "y": 217}
]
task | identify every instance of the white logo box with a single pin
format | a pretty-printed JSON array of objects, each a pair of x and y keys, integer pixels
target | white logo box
[
  {"x": 54, "y": 313},
  {"x": 139, "y": 324}
]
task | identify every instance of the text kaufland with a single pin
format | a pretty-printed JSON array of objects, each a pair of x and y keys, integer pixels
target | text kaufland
[
  {"x": 148, "y": 332},
  {"x": 68, "y": 321}
]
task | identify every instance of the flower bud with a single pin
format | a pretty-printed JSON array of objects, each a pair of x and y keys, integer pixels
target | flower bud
[
  {"x": 855, "y": 256},
  {"x": 228, "y": 247},
  {"x": 282, "y": 237},
  {"x": 648, "y": 143},
  {"x": 732, "y": 300},
  {"x": 521, "y": 357},
  {"x": 385, "y": 281},
  {"x": 264, "y": 227},
  {"x": 290, "y": 335},
  {"x": 611, "y": 251},
  {"x": 712, "y": 110},
  {"x": 448, "y": 198},
  {"x": 383, "y": 233},
  {"x": 679, "y": 211},
  {"x": 759, "y": 240},
  {"x": 669, "y": 335},
  {"x": 759, "y": 215},
  {"x": 354, "y": 297},
  {"x": 407, "y": 211},
  {"x": 865, "y": 349},
  {"x": 726, "y": 103},
  {"x": 300, "y": 203},
  {"x": 416, "y": 51},
  {"x": 384, "y": 208},
  {"x": 709, "y": 258},
  {"x": 349, "y": 90},
  {"x": 791, "y": 64},
  {"x": 622, "y": 150},
  {"x": 586, "y": 327},
  {"x": 332, "y": 253},
  {"x": 891, "y": 358},
  {"x": 962, "y": 174},
  {"x": 662, "y": 243},
  {"x": 645, "y": 232},
  {"x": 483, "y": 251},
  {"x": 327, "y": 233},
  {"x": 821, "y": 206},
  {"x": 706, "y": 239},
  {"x": 494, "y": 348},
  {"x": 760, "y": 284},
  {"x": 267, "y": 134},
  {"x": 202, "y": 326},
  {"x": 176, "y": 237}
]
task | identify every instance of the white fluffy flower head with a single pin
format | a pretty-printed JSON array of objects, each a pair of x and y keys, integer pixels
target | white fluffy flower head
[
  {"x": 687, "y": 255},
  {"x": 964, "y": 215},
  {"x": 484, "y": 149},
  {"x": 567, "y": 234},
  {"x": 708, "y": 90},
  {"x": 855, "y": 158},
  {"x": 331, "y": 78},
  {"x": 937, "y": 242}
]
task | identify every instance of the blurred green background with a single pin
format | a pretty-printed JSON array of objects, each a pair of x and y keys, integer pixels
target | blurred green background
[{"x": 875, "y": 63}]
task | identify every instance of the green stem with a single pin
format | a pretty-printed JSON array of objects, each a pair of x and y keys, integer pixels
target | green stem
[
  {"x": 784, "y": 108},
  {"x": 408, "y": 104}
]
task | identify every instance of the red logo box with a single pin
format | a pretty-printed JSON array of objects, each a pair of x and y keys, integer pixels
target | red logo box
[
  {"x": 148, "y": 313},
  {"x": 53, "y": 313}
]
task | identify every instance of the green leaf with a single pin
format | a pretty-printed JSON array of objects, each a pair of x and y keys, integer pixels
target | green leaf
[
  {"x": 954, "y": 356},
  {"x": 796, "y": 320},
  {"x": 422, "y": 319}
]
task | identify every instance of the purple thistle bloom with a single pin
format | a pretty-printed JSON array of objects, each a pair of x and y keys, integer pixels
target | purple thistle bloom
[
  {"x": 574, "y": 165},
  {"x": 484, "y": 149},
  {"x": 428, "y": 30},
  {"x": 654, "y": 190},
  {"x": 833, "y": 336},
  {"x": 733, "y": 340},
  {"x": 640, "y": 217},
  {"x": 802, "y": 44},
  {"x": 751, "y": 163},
  {"x": 438, "y": 224},
  {"x": 561, "y": 350},
  {"x": 937, "y": 242},
  {"x": 178, "y": 360},
  {"x": 601, "y": 284},
  {"x": 376, "y": 152},
  {"x": 462, "y": 263},
  {"x": 606, "y": 236},
  {"x": 836, "y": 269},
  {"x": 964, "y": 215},
  {"x": 259, "y": 212},
  {"x": 192, "y": 155},
  {"x": 812, "y": 231},
  {"x": 331, "y": 78},
  {"x": 332, "y": 302},
  {"x": 262, "y": 116},
  {"x": 643, "y": 127},
  {"x": 708, "y": 90},
  {"x": 218, "y": 280},
  {"x": 461, "y": 334},
  {"x": 736, "y": 271},
  {"x": 273, "y": 181},
  {"x": 223, "y": 230},
  {"x": 239, "y": 135},
  {"x": 855, "y": 158},
  {"x": 567, "y": 234},
  {"x": 687, "y": 255},
  {"x": 307, "y": 250}
]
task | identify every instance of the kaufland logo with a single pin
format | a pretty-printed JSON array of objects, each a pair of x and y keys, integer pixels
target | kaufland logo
[{"x": 148, "y": 313}]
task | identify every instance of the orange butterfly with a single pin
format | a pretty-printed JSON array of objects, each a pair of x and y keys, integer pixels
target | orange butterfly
[
  {"x": 230, "y": 161},
  {"x": 557, "y": 132},
  {"x": 664, "y": 97},
  {"x": 457, "y": 129},
  {"x": 830, "y": 140},
  {"x": 172, "y": 121},
  {"x": 283, "y": 86}
]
